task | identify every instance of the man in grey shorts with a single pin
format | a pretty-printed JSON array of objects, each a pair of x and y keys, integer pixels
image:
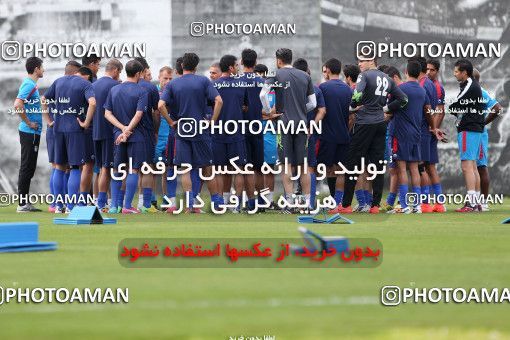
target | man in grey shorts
[{"x": 294, "y": 98}]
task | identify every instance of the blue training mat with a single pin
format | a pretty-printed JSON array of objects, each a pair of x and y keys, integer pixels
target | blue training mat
[
  {"x": 84, "y": 215},
  {"x": 22, "y": 237},
  {"x": 324, "y": 219},
  {"x": 507, "y": 221}
]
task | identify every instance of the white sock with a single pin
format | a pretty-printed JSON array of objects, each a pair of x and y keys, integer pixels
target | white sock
[
  {"x": 471, "y": 197},
  {"x": 307, "y": 199},
  {"x": 171, "y": 200},
  {"x": 270, "y": 196},
  {"x": 226, "y": 197},
  {"x": 140, "y": 200},
  {"x": 478, "y": 198}
]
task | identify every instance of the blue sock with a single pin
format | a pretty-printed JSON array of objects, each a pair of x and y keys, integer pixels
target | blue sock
[
  {"x": 131, "y": 186},
  {"x": 251, "y": 203},
  {"x": 115, "y": 186},
  {"x": 216, "y": 200},
  {"x": 102, "y": 198},
  {"x": 240, "y": 200},
  {"x": 153, "y": 196},
  {"x": 188, "y": 196},
  {"x": 338, "y": 196},
  {"x": 402, "y": 195},
  {"x": 360, "y": 197},
  {"x": 195, "y": 182},
  {"x": 390, "y": 200},
  {"x": 66, "y": 182},
  {"x": 73, "y": 186},
  {"x": 52, "y": 189},
  {"x": 436, "y": 189},
  {"x": 425, "y": 190},
  {"x": 59, "y": 187},
  {"x": 171, "y": 186},
  {"x": 120, "y": 196},
  {"x": 368, "y": 197},
  {"x": 147, "y": 195},
  {"x": 313, "y": 189},
  {"x": 83, "y": 199},
  {"x": 417, "y": 191}
]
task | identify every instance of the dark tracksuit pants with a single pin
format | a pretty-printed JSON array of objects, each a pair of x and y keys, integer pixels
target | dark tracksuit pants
[
  {"x": 368, "y": 141},
  {"x": 29, "y": 151}
]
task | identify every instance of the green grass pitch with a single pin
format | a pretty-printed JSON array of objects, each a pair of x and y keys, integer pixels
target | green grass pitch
[{"x": 432, "y": 250}]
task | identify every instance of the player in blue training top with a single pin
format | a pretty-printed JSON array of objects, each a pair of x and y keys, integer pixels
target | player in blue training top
[
  {"x": 124, "y": 109},
  {"x": 334, "y": 140},
  {"x": 426, "y": 144},
  {"x": 149, "y": 121},
  {"x": 254, "y": 143},
  {"x": 406, "y": 137},
  {"x": 75, "y": 105},
  {"x": 190, "y": 93},
  {"x": 430, "y": 167},
  {"x": 102, "y": 130},
  {"x": 71, "y": 68},
  {"x": 226, "y": 146}
]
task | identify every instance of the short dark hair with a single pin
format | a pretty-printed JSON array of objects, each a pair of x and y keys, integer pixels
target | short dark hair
[
  {"x": 72, "y": 67},
  {"x": 392, "y": 71},
  {"x": 178, "y": 65},
  {"x": 422, "y": 61},
  {"x": 465, "y": 65},
  {"x": 190, "y": 61},
  {"x": 261, "y": 69},
  {"x": 133, "y": 67},
  {"x": 301, "y": 64},
  {"x": 351, "y": 71},
  {"x": 249, "y": 57},
  {"x": 73, "y": 63},
  {"x": 87, "y": 60},
  {"x": 382, "y": 68},
  {"x": 85, "y": 71},
  {"x": 143, "y": 62},
  {"x": 285, "y": 55},
  {"x": 32, "y": 63},
  {"x": 413, "y": 68},
  {"x": 435, "y": 63},
  {"x": 226, "y": 61},
  {"x": 334, "y": 65}
]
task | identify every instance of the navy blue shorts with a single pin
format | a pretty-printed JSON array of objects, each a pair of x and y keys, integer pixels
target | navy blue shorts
[
  {"x": 425, "y": 147},
  {"x": 197, "y": 153},
  {"x": 89, "y": 145},
  {"x": 330, "y": 153},
  {"x": 169, "y": 153},
  {"x": 50, "y": 144},
  {"x": 255, "y": 151},
  {"x": 150, "y": 148},
  {"x": 134, "y": 150},
  {"x": 103, "y": 150},
  {"x": 223, "y": 152},
  {"x": 406, "y": 151},
  {"x": 313, "y": 149},
  {"x": 434, "y": 157},
  {"x": 69, "y": 148}
]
